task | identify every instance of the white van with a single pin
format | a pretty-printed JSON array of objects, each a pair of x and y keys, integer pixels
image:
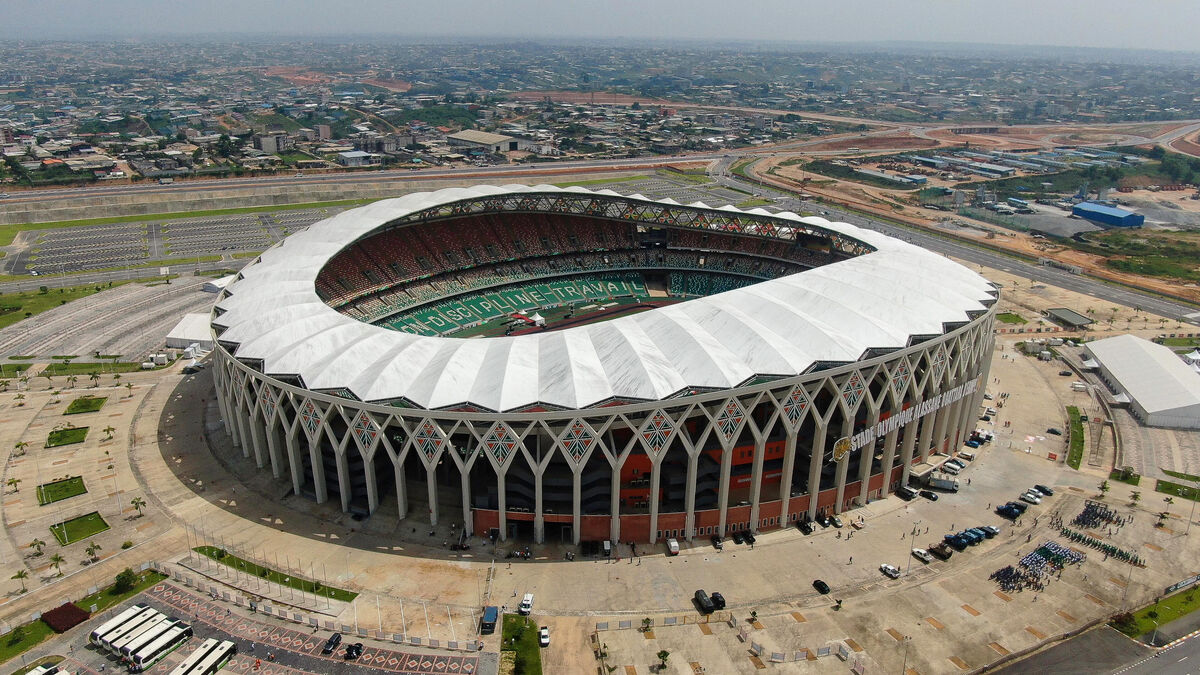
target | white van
[
  {"x": 967, "y": 455},
  {"x": 673, "y": 546},
  {"x": 526, "y": 605}
]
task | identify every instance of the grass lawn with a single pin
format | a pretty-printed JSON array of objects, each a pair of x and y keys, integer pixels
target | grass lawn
[
  {"x": 1185, "y": 476},
  {"x": 48, "y": 493},
  {"x": 66, "y": 436},
  {"x": 601, "y": 181},
  {"x": 1075, "y": 454},
  {"x": 1119, "y": 476},
  {"x": 1009, "y": 317},
  {"x": 275, "y": 576},
  {"x": 756, "y": 201},
  {"x": 1169, "y": 342},
  {"x": 520, "y": 636},
  {"x": 1166, "y": 487},
  {"x": 23, "y": 638},
  {"x": 105, "y": 597},
  {"x": 1168, "y": 609},
  {"x": 15, "y": 307},
  {"x": 78, "y": 529},
  {"x": 85, "y": 404}
]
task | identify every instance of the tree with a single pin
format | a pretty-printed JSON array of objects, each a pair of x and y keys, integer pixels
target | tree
[
  {"x": 125, "y": 581},
  {"x": 20, "y": 399},
  {"x": 129, "y": 388},
  {"x": 20, "y": 447},
  {"x": 1169, "y": 501},
  {"x": 37, "y": 545},
  {"x": 49, "y": 379},
  {"x": 117, "y": 377},
  {"x": 1104, "y": 487},
  {"x": 95, "y": 378},
  {"x": 662, "y": 656},
  {"x": 71, "y": 380},
  {"x": 21, "y": 575},
  {"x": 92, "y": 549},
  {"x": 57, "y": 560},
  {"x": 1135, "y": 496},
  {"x": 108, "y": 432},
  {"x": 12, "y": 483},
  {"x": 139, "y": 504}
]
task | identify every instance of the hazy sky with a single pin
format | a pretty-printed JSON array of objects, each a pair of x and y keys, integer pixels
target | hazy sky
[{"x": 1151, "y": 24}]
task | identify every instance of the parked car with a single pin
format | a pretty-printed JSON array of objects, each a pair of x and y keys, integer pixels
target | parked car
[
  {"x": 837, "y": 522},
  {"x": 824, "y": 521},
  {"x": 941, "y": 551},
  {"x": 1043, "y": 489},
  {"x": 956, "y": 462},
  {"x": 673, "y": 546},
  {"x": 750, "y": 538},
  {"x": 1064, "y": 373},
  {"x": 544, "y": 636},
  {"x": 1054, "y": 431},
  {"x": 930, "y": 495},
  {"x": 972, "y": 443},
  {"x": 703, "y": 602},
  {"x": 1032, "y": 499},
  {"x": 987, "y": 397},
  {"x": 354, "y": 651},
  {"x": 906, "y": 493},
  {"x": 922, "y": 555},
  {"x": 526, "y": 605},
  {"x": 951, "y": 469},
  {"x": 990, "y": 530},
  {"x": 1018, "y": 506},
  {"x": 717, "y": 543},
  {"x": 332, "y": 643},
  {"x": 986, "y": 418},
  {"x": 890, "y": 570},
  {"x": 738, "y": 538},
  {"x": 718, "y": 600},
  {"x": 821, "y": 586},
  {"x": 804, "y": 526}
]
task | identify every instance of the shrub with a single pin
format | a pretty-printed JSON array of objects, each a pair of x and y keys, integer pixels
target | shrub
[
  {"x": 125, "y": 580},
  {"x": 65, "y": 617}
]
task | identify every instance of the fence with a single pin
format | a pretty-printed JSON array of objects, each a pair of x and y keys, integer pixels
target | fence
[{"x": 201, "y": 584}]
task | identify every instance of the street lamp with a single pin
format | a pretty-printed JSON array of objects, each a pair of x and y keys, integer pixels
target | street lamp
[{"x": 1191, "y": 494}]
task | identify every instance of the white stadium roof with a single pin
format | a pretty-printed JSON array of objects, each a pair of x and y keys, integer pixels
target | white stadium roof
[{"x": 779, "y": 327}]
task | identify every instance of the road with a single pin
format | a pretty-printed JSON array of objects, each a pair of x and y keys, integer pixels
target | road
[{"x": 1182, "y": 659}]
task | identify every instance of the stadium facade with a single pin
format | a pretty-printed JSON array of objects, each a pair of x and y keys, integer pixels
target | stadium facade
[{"x": 761, "y": 368}]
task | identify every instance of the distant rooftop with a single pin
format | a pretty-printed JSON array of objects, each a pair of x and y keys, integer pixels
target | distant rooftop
[{"x": 1068, "y": 317}]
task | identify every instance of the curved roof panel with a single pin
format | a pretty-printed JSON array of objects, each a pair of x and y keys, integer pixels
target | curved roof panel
[{"x": 779, "y": 327}]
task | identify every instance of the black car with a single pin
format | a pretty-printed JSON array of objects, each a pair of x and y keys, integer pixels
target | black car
[
  {"x": 804, "y": 526},
  {"x": 332, "y": 643},
  {"x": 823, "y": 521},
  {"x": 738, "y": 538},
  {"x": 1043, "y": 489},
  {"x": 703, "y": 603},
  {"x": 986, "y": 418},
  {"x": 1064, "y": 373},
  {"x": 354, "y": 651},
  {"x": 930, "y": 495},
  {"x": 716, "y": 542},
  {"x": 717, "y": 599},
  {"x": 750, "y": 538},
  {"x": 821, "y": 586},
  {"x": 1054, "y": 432}
]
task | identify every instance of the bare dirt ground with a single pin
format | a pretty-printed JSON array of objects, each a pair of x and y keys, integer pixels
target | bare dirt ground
[{"x": 893, "y": 141}]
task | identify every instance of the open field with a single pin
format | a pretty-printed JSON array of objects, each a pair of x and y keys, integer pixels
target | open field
[
  {"x": 85, "y": 404},
  {"x": 68, "y": 436}
]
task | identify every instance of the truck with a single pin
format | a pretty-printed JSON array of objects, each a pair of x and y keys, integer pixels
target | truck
[
  {"x": 942, "y": 481},
  {"x": 165, "y": 181}
]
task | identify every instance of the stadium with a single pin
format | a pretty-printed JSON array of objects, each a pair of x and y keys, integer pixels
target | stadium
[{"x": 565, "y": 365}]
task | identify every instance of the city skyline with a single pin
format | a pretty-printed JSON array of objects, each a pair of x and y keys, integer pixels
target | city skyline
[{"x": 1103, "y": 24}]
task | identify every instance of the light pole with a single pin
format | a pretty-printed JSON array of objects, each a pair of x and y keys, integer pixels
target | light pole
[{"x": 1191, "y": 494}]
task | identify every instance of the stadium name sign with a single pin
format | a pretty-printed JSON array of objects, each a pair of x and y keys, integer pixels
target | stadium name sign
[{"x": 912, "y": 413}]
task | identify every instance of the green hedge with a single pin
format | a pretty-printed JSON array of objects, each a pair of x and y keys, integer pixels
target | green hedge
[{"x": 1075, "y": 454}]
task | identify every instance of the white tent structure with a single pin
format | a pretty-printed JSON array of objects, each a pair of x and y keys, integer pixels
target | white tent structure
[
  {"x": 1192, "y": 357},
  {"x": 191, "y": 329},
  {"x": 1163, "y": 391}
]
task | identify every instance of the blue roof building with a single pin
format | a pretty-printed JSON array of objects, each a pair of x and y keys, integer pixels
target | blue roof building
[{"x": 1107, "y": 215}]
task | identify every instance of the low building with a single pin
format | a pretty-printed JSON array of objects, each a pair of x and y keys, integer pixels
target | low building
[
  {"x": 1068, "y": 318},
  {"x": 1162, "y": 389},
  {"x": 357, "y": 158},
  {"x": 1108, "y": 215},
  {"x": 489, "y": 142}
]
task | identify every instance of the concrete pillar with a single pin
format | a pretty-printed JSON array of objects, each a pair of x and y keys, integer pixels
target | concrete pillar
[
  {"x": 464, "y": 476},
  {"x": 539, "y": 518},
  {"x": 318, "y": 468},
  {"x": 576, "y": 506},
  {"x": 939, "y": 428},
  {"x": 814, "y": 468},
  {"x": 889, "y": 458},
  {"x": 926, "y": 437},
  {"x": 401, "y": 488},
  {"x": 431, "y": 486},
  {"x": 273, "y": 448},
  {"x": 372, "y": 485},
  {"x": 843, "y": 466},
  {"x": 242, "y": 438},
  {"x": 343, "y": 475},
  {"x": 655, "y": 476},
  {"x": 689, "y": 494},
  {"x": 866, "y": 459},
  {"x": 614, "y": 500},
  {"x": 756, "y": 481},
  {"x": 723, "y": 487},
  {"x": 501, "y": 500},
  {"x": 906, "y": 450},
  {"x": 785, "y": 480},
  {"x": 221, "y": 383},
  {"x": 293, "y": 450},
  {"x": 258, "y": 436}
]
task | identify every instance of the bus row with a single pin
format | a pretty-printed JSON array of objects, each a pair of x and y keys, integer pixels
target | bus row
[{"x": 141, "y": 636}]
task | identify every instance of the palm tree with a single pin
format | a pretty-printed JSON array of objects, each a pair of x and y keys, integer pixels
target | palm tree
[
  {"x": 20, "y": 399},
  {"x": 139, "y": 504},
  {"x": 1169, "y": 501},
  {"x": 95, "y": 378},
  {"x": 108, "y": 432},
  {"x": 92, "y": 549},
  {"x": 57, "y": 560},
  {"x": 662, "y": 656},
  {"x": 20, "y": 447},
  {"x": 1135, "y": 497},
  {"x": 12, "y": 483},
  {"x": 129, "y": 388},
  {"x": 21, "y": 575},
  {"x": 1104, "y": 487},
  {"x": 71, "y": 380},
  {"x": 49, "y": 379},
  {"x": 24, "y": 379},
  {"x": 37, "y": 545},
  {"x": 3, "y": 385}
]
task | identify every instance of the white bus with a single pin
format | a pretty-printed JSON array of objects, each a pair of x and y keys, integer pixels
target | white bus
[
  {"x": 216, "y": 659},
  {"x": 124, "y": 629},
  {"x": 152, "y": 653},
  {"x": 114, "y": 622},
  {"x": 127, "y": 649},
  {"x": 205, "y": 648},
  {"x": 141, "y": 635},
  {"x": 44, "y": 670}
]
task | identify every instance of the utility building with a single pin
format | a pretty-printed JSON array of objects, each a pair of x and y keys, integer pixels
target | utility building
[
  {"x": 1163, "y": 391},
  {"x": 1108, "y": 215}
]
